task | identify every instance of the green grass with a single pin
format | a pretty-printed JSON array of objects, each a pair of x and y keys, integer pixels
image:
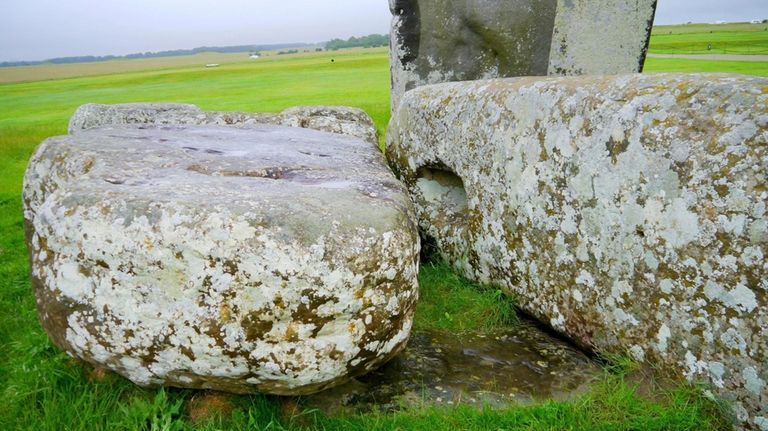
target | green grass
[
  {"x": 64, "y": 398},
  {"x": 453, "y": 303},
  {"x": 715, "y": 29},
  {"x": 680, "y": 65},
  {"x": 43, "y": 389},
  {"x": 737, "y": 38},
  {"x": 30, "y": 112}
]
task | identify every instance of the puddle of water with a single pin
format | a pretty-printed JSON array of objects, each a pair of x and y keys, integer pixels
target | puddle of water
[{"x": 519, "y": 365}]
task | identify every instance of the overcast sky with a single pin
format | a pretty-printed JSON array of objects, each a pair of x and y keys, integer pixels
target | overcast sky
[{"x": 41, "y": 29}]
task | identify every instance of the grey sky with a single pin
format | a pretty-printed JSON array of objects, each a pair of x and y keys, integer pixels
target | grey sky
[{"x": 40, "y": 29}]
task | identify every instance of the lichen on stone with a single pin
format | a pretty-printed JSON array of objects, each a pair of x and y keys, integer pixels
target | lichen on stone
[
  {"x": 264, "y": 258},
  {"x": 628, "y": 211}
]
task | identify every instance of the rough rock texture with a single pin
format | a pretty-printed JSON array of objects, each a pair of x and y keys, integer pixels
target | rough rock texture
[
  {"x": 270, "y": 259},
  {"x": 592, "y": 37},
  {"x": 628, "y": 212},
  {"x": 436, "y": 41},
  {"x": 334, "y": 119}
]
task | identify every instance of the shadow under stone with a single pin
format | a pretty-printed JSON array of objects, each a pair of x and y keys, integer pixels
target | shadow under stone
[{"x": 512, "y": 366}]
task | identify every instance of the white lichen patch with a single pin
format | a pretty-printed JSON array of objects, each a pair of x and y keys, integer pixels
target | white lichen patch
[
  {"x": 629, "y": 212},
  {"x": 213, "y": 257}
]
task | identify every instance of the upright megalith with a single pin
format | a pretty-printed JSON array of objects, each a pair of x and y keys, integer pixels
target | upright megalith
[
  {"x": 594, "y": 37},
  {"x": 436, "y": 41},
  {"x": 241, "y": 259},
  {"x": 629, "y": 212}
]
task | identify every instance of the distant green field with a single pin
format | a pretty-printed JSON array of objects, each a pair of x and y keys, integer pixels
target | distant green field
[
  {"x": 740, "y": 38},
  {"x": 74, "y": 70},
  {"x": 680, "y": 65},
  {"x": 32, "y": 111},
  {"x": 42, "y": 389}
]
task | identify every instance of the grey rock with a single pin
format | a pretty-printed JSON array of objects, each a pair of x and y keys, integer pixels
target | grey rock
[
  {"x": 270, "y": 259},
  {"x": 334, "y": 119},
  {"x": 593, "y": 37},
  {"x": 628, "y": 212},
  {"x": 436, "y": 41},
  {"x": 93, "y": 115}
]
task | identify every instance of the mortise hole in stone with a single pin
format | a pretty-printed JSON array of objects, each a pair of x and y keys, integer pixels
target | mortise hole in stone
[{"x": 444, "y": 189}]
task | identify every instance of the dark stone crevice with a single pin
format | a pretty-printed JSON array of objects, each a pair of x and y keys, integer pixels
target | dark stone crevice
[
  {"x": 410, "y": 30},
  {"x": 441, "y": 186}
]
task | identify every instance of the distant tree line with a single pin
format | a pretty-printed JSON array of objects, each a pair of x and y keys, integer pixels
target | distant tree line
[
  {"x": 173, "y": 53},
  {"x": 369, "y": 41}
]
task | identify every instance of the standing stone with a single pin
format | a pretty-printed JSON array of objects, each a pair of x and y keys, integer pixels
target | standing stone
[
  {"x": 628, "y": 212},
  {"x": 601, "y": 37},
  {"x": 436, "y": 41},
  {"x": 334, "y": 119},
  {"x": 271, "y": 259}
]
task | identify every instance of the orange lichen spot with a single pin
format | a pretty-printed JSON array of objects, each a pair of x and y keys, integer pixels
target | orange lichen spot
[
  {"x": 292, "y": 333},
  {"x": 207, "y": 405},
  {"x": 99, "y": 374},
  {"x": 88, "y": 165},
  {"x": 225, "y": 313},
  {"x": 710, "y": 211}
]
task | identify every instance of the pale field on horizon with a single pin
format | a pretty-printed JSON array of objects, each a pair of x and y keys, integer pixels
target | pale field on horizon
[{"x": 43, "y": 72}]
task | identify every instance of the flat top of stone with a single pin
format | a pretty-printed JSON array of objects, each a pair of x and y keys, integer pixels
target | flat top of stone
[{"x": 303, "y": 179}]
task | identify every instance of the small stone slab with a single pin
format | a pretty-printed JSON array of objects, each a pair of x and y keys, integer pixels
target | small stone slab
[
  {"x": 501, "y": 368},
  {"x": 271, "y": 259},
  {"x": 334, "y": 119}
]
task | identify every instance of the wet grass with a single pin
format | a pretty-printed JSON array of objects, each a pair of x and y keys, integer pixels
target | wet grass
[{"x": 43, "y": 389}]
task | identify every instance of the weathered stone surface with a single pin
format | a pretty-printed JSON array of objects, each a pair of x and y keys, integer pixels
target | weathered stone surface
[
  {"x": 592, "y": 37},
  {"x": 436, "y": 41},
  {"x": 628, "y": 212},
  {"x": 334, "y": 119},
  {"x": 502, "y": 368},
  {"x": 271, "y": 259}
]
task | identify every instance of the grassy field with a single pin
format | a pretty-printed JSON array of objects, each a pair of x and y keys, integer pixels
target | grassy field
[
  {"x": 75, "y": 70},
  {"x": 43, "y": 389},
  {"x": 61, "y": 71},
  {"x": 658, "y": 65},
  {"x": 739, "y": 38}
]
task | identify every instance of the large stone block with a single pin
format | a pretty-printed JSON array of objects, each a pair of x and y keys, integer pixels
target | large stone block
[
  {"x": 628, "y": 212},
  {"x": 270, "y": 259},
  {"x": 436, "y": 41},
  {"x": 334, "y": 119}
]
